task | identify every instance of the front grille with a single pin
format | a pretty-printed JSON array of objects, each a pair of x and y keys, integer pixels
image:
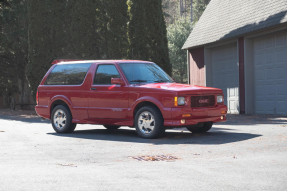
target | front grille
[{"x": 202, "y": 101}]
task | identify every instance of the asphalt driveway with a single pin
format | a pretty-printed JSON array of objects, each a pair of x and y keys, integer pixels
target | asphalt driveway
[{"x": 247, "y": 152}]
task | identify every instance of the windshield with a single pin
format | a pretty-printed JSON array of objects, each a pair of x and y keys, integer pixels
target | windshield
[{"x": 144, "y": 73}]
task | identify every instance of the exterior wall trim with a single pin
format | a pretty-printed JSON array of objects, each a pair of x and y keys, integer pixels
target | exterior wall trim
[
  {"x": 188, "y": 67},
  {"x": 241, "y": 75},
  {"x": 249, "y": 75},
  {"x": 220, "y": 43}
]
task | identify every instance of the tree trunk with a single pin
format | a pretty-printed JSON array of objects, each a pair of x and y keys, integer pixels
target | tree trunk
[
  {"x": 24, "y": 96},
  {"x": 5, "y": 97}
]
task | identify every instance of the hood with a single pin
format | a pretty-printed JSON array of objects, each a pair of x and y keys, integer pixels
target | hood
[{"x": 183, "y": 88}]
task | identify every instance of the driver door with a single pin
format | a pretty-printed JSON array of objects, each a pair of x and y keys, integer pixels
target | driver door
[{"x": 106, "y": 100}]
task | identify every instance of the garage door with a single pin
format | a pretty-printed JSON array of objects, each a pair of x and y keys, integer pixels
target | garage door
[
  {"x": 225, "y": 74},
  {"x": 270, "y": 74}
]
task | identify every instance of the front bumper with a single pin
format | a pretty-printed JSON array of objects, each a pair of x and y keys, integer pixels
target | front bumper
[{"x": 198, "y": 115}]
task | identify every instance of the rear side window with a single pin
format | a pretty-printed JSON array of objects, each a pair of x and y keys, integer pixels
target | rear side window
[
  {"x": 68, "y": 74},
  {"x": 105, "y": 73}
]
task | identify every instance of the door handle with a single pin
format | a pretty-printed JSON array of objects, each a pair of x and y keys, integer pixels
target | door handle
[{"x": 93, "y": 88}]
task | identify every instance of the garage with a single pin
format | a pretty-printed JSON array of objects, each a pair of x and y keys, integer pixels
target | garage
[
  {"x": 225, "y": 74},
  {"x": 243, "y": 52},
  {"x": 270, "y": 74}
]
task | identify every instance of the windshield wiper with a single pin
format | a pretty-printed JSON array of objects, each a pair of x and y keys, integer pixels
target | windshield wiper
[
  {"x": 161, "y": 81},
  {"x": 138, "y": 80}
]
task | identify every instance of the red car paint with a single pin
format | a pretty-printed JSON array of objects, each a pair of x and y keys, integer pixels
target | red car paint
[{"x": 116, "y": 104}]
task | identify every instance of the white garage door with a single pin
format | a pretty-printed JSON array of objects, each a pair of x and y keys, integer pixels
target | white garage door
[
  {"x": 270, "y": 74},
  {"x": 225, "y": 74}
]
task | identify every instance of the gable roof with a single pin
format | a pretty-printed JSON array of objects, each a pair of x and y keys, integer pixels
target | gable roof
[{"x": 224, "y": 19}]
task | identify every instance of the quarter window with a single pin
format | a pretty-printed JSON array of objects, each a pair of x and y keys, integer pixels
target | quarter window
[
  {"x": 105, "y": 73},
  {"x": 68, "y": 74}
]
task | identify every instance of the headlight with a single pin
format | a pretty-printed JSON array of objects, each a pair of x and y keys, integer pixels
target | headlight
[
  {"x": 219, "y": 99},
  {"x": 180, "y": 101}
]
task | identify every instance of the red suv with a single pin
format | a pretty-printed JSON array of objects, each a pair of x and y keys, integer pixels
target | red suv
[{"x": 125, "y": 93}]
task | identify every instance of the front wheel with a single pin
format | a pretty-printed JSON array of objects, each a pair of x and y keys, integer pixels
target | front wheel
[
  {"x": 200, "y": 127},
  {"x": 149, "y": 122},
  {"x": 62, "y": 120}
]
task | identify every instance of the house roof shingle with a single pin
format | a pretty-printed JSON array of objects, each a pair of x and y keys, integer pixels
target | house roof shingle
[{"x": 224, "y": 19}]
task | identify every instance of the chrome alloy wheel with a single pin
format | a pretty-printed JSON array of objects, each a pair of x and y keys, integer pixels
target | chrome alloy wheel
[
  {"x": 146, "y": 122},
  {"x": 59, "y": 119}
]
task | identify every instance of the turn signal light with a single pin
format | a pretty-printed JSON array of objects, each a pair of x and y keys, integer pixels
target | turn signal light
[
  {"x": 175, "y": 101},
  {"x": 186, "y": 115},
  {"x": 37, "y": 97},
  {"x": 223, "y": 112}
]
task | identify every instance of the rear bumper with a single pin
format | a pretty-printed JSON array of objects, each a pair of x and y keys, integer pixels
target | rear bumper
[
  {"x": 42, "y": 111},
  {"x": 198, "y": 115}
]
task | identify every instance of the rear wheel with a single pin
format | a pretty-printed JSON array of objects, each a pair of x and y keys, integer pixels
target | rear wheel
[
  {"x": 112, "y": 127},
  {"x": 149, "y": 122},
  {"x": 200, "y": 127},
  {"x": 62, "y": 120}
]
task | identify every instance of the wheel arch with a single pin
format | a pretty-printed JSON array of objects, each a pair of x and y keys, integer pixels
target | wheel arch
[
  {"x": 143, "y": 104},
  {"x": 59, "y": 101}
]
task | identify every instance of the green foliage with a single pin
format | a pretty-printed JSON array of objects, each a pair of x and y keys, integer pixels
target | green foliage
[
  {"x": 40, "y": 41},
  {"x": 174, "y": 11},
  {"x": 116, "y": 39},
  {"x": 177, "y": 34},
  {"x": 147, "y": 33},
  {"x": 72, "y": 29},
  {"x": 198, "y": 8},
  {"x": 13, "y": 46},
  {"x": 87, "y": 29}
]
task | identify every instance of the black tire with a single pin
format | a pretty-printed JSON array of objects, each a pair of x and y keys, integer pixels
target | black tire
[
  {"x": 64, "y": 123},
  {"x": 200, "y": 127},
  {"x": 112, "y": 127},
  {"x": 153, "y": 120}
]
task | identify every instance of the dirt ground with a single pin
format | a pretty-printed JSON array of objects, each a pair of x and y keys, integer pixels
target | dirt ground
[{"x": 11, "y": 112}]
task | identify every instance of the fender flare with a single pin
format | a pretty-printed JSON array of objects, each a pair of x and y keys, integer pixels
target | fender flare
[
  {"x": 147, "y": 99},
  {"x": 62, "y": 98}
]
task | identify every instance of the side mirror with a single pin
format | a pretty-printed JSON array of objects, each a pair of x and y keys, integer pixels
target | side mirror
[{"x": 117, "y": 81}]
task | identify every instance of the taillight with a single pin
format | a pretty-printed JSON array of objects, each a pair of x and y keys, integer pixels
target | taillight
[{"x": 37, "y": 98}]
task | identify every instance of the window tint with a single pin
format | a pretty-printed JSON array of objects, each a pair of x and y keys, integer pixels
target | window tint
[
  {"x": 68, "y": 74},
  {"x": 144, "y": 73},
  {"x": 105, "y": 73}
]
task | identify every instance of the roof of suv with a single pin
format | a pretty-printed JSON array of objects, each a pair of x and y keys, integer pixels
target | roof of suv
[{"x": 97, "y": 61}]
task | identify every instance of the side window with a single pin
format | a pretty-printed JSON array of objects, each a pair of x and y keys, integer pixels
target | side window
[
  {"x": 68, "y": 74},
  {"x": 105, "y": 73}
]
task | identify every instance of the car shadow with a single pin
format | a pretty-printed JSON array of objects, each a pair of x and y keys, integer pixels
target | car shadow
[
  {"x": 216, "y": 136},
  {"x": 232, "y": 119}
]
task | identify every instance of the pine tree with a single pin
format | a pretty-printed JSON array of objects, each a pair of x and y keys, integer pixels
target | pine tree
[
  {"x": 147, "y": 32},
  {"x": 40, "y": 41},
  {"x": 72, "y": 29},
  {"x": 115, "y": 35},
  {"x": 13, "y": 50}
]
